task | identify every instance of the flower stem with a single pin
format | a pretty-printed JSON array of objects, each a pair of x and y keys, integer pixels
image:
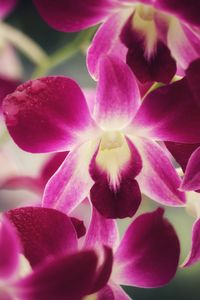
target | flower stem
[
  {"x": 23, "y": 43},
  {"x": 72, "y": 48}
]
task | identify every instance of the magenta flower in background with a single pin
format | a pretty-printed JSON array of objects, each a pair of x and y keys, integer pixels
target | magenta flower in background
[
  {"x": 147, "y": 255},
  {"x": 50, "y": 237},
  {"x": 156, "y": 38},
  {"x": 113, "y": 141}
]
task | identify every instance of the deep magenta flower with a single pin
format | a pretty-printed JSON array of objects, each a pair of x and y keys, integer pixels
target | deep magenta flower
[
  {"x": 147, "y": 255},
  {"x": 151, "y": 35},
  {"x": 60, "y": 271},
  {"x": 113, "y": 139},
  {"x": 6, "y": 6}
]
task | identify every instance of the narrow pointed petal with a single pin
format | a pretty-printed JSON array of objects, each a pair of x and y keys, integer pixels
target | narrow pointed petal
[
  {"x": 107, "y": 41},
  {"x": 149, "y": 252},
  {"x": 191, "y": 180},
  {"x": 158, "y": 178},
  {"x": 72, "y": 182},
  {"x": 162, "y": 114},
  {"x": 9, "y": 248},
  {"x": 118, "y": 96},
  {"x": 101, "y": 231},
  {"x": 44, "y": 233},
  {"x": 187, "y": 11},
  {"x": 183, "y": 43},
  {"x": 73, "y": 15},
  {"x": 181, "y": 152},
  {"x": 46, "y": 114},
  {"x": 148, "y": 65},
  {"x": 59, "y": 279},
  {"x": 194, "y": 255},
  {"x": 112, "y": 292}
]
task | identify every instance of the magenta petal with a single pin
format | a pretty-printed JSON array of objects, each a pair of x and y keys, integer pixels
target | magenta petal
[
  {"x": 51, "y": 166},
  {"x": 121, "y": 202},
  {"x": 72, "y": 182},
  {"x": 118, "y": 96},
  {"x": 158, "y": 178},
  {"x": 9, "y": 248},
  {"x": 104, "y": 271},
  {"x": 45, "y": 114},
  {"x": 68, "y": 277},
  {"x": 107, "y": 41},
  {"x": 160, "y": 66},
  {"x": 188, "y": 11},
  {"x": 79, "y": 227},
  {"x": 73, "y": 15},
  {"x": 44, "y": 232},
  {"x": 6, "y": 6},
  {"x": 101, "y": 231},
  {"x": 149, "y": 252},
  {"x": 194, "y": 255},
  {"x": 162, "y": 114},
  {"x": 191, "y": 180},
  {"x": 7, "y": 86},
  {"x": 181, "y": 152},
  {"x": 193, "y": 75},
  {"x": 112, "y": 292}
]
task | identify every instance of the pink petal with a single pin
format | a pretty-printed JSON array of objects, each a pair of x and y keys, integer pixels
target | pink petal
[
  {"x": 149, "y": 252},
  {"x": 46, "y": 114},
  {"x": 71, "y": 183},
  {"x": 7, "y": 86},
  {"x": 112, "y": 292},
  {"x": 73, "y": 15},
  {"x": 44, "y": 233},
  {"x": 101, "y": 231},
  {"x": 187, "y": 11},
  {"x": 51, "y": 166},
  {"x": 181, "y": 152},
  {"x": 162, "y": 115},
  {"x": 9, "y": 249},
  {"x": 191, "y": 180},
  {"x": 183, "y": 43},
  {"x": 192, "y": 75},
  {"x": 107, "y": 41},
  {"x": 67, "y": 277},
  {"x": 6, "y": 6},
  {"x": 158, "y": 178},
  {"x": 194, "y": 255},
  {"x": 118, "y": 96}
]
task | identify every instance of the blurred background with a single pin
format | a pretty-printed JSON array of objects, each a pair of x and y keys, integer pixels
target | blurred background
[{"x": 25, "y": 18}]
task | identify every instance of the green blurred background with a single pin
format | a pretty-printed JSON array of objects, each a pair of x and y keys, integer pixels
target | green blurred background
[{"x": 186, "y": 285}]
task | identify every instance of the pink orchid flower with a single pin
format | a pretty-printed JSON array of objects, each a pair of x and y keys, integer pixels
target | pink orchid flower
[
  {"x": 53, "y": 278},
  {"x": 157, "y": 38},
  {"x": 147, "y": 255},
  {"x": 113, "y": 145}
]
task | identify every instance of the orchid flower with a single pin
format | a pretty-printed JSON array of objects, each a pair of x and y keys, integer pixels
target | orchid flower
[
  {"x": 151, "y": 36},
  {"x": 35, "y": 184},
  {"x": 112, "y": 141},
  {"x": 52, "y": 279},
  {"x": 193, "y": 208},
  {"x": 147, "y": 255}
]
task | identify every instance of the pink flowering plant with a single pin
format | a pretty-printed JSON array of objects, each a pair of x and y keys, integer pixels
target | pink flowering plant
[{"x": 118, "y": 163}]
